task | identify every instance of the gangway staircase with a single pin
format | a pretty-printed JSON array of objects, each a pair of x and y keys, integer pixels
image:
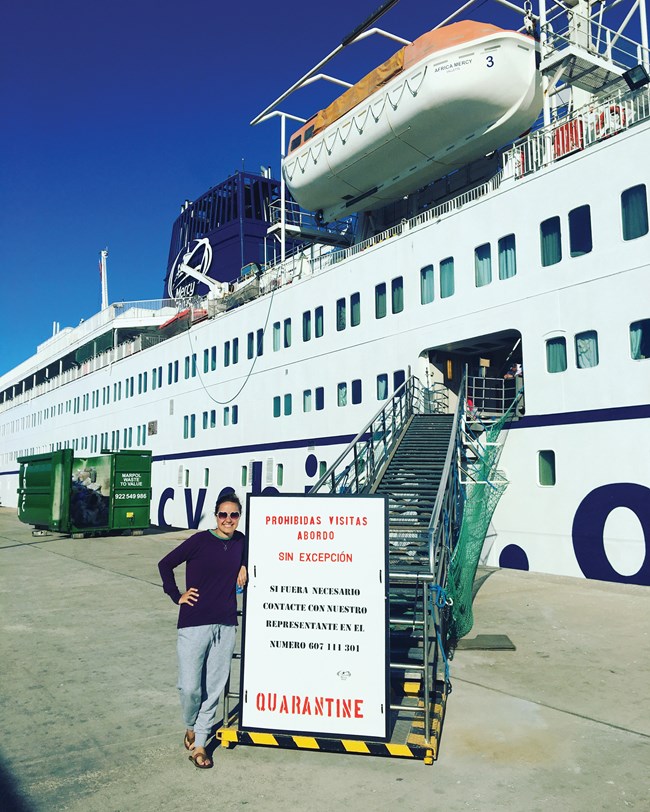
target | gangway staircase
[{"x": 418, "y": 456}]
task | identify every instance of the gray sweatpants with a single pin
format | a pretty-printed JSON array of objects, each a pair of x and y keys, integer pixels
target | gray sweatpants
[{"x": 204, "y": 659}]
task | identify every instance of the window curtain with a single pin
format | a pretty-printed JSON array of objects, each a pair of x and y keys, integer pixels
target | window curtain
[
  {"x": 482, "y": 265},
  {"x": 342, "y": 394},
  {"x": 587, "y": 349},
  {"x": 551, "y": 243},
  {"x": 634, "y": 207},
  {"x": 380, "y": 301},
  {"x": 397, "y": 287},
  {"x": 556, "y": 355},
  {"x": 639, "y": 339},
  {"x": 355, "y": 310},
  {"x": 447, "y": 277},
  {"x": 426, "y": 284},
  {"x": 340, "y": 314},
  {"x": 507, "y": 257},
  {"x": 382, "y": 387}
]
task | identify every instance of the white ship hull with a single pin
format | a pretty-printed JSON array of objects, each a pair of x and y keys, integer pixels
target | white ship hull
[{"x": 595, "y": 520}]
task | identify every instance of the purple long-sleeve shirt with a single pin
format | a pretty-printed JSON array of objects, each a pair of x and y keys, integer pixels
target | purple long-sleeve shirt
[{"x": 212, "y": 566}]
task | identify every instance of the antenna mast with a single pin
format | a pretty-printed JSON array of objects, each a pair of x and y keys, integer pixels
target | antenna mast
[{"x": 102, "y": 273}]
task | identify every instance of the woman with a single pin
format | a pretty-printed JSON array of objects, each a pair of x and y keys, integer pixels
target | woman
[{"x": 207, "y": 619}]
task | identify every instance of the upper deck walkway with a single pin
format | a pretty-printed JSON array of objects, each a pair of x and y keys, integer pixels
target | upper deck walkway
[{"x": 91, "y": 722}]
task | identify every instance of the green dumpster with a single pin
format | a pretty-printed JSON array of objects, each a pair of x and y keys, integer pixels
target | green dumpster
[{"x": 85, "y": 495}]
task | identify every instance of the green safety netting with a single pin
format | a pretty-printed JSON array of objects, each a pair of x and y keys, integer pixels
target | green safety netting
[{"x": 485, "y": 486}]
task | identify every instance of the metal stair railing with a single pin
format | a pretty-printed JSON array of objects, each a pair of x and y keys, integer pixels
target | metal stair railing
[{"x": 357, "y": 467}]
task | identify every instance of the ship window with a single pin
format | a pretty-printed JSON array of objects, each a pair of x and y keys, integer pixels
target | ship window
[
  {"x": 426, "y": 284},
  {"x": 355, "y": 310},
  {"x": 550, "y": 241},
  {"x": 187, "y": 366},
  {"x": 482, "y": 265},
  {"x": 399, "y": 377},
  {"x": 580, "y": 241},
  {"x": 205, "y": 420},
  {"x": 340, "y": 314},
  {"x": 206, "y": 360},
  {"x": 186, "y": 428},
  {"x": 342, "y": 394},
  {"x": 382, "y": 387},
  {"x": 287, "y": 405},
  {"x": 507, "y": 257},
  {"x": 260, "y": 342},
  {"x": 587, "y": 349},
  {"x": 634, "y": 211},
  {"x": 447, "y": 287},
  {"x": 193, "y": 369},
  {"x": 295, "y": 143},
  {"x": 279, "y": 477},
  {"x": 235, "y": 350},
  {"x": 546, "y": 468},
  {"x": 276, "y": 406},
  {"x": 213, "y": 358},
  {"x": 306, "y": 400},
  {"x": 556, "y": 354},
  {"x": 251, "y": 345},
  {"x": 306, "y": 325},
  {"x": 380, "y": 300},
  {"x": 309, "y": 132},
  {"x": 356, "y": 391},
  {"x": 287, "y": 333},
  {"x": 397, "y": 294},
  {"x": 235, "y": 415},
  {"x": 276, "y": 336},
  {"x": 640, "y": 339},
  {"x": 244, "y": 475},
  {"x": 226, "y": 353},
  {"x": 319, "y": 322},
  {"x": 319, "y": 393},
  {"x": 322, "y": 468},
  {"x": 192, "y": 425},
  {"x": 226, "y": 415},
  {"x": 213, "y": 418},
  {"x": 206, "y": 477}
]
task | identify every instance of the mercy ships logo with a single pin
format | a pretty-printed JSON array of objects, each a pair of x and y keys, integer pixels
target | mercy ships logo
[{"x": 190, "y": 268}]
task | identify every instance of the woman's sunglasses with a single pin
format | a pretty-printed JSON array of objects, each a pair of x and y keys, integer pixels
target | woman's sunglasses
[{"x": 223, "y": 515}]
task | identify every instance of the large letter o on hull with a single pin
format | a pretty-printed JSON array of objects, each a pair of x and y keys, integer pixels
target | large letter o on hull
[{"x": 589, "y": 526}]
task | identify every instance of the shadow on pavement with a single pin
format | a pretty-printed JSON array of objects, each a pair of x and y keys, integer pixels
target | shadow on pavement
[{"x": 12, "y": 800}]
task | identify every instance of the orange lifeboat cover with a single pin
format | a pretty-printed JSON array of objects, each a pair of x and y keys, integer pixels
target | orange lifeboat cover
[{"x": 439, "y": 39}]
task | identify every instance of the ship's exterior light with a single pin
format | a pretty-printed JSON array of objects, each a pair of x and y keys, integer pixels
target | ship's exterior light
[{"x": 636, "y": 77}]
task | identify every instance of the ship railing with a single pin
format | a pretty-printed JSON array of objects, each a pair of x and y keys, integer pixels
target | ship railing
[
  {"x": 490, "y": 398},
  {"x": 96, "y": 362},
  {"x": 591, "y": 124},
  {"x": 564, "y": 28},
  {"x": 304, "y": 262}
]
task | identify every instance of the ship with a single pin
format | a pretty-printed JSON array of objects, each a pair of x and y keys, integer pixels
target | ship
[{"x": 472, "y": 214}]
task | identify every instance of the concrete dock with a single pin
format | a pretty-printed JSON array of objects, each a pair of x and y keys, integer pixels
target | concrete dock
[{"x": 90, "y": 718}]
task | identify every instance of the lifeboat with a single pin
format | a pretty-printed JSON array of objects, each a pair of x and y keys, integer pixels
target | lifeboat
[{"x": 455, "y": 94}]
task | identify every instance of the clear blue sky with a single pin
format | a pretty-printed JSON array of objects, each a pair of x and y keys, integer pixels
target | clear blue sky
[{"x": 115, "y": 112}]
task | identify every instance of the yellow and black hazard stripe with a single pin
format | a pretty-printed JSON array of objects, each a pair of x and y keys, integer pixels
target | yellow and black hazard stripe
[{"x": 418, "y": 749}]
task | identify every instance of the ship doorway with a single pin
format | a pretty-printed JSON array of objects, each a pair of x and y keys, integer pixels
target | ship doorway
[{"x": 493, "y": 364}]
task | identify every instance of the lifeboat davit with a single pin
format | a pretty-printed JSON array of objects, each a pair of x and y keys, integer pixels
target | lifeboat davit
[{"x": 452, "y": 96}]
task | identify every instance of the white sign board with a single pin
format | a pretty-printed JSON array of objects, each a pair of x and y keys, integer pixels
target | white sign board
[{"x": 315, "y": 651}]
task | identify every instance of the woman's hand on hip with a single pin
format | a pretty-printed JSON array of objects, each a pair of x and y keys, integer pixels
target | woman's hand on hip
[
  {"x": 190, "y": 597},
  {"x": 242, "y": 577}
]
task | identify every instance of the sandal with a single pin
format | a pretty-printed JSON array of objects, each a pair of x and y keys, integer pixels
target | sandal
[
  {"x": 189, "y": 742},
  {"x": 201, "y": 760}
]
